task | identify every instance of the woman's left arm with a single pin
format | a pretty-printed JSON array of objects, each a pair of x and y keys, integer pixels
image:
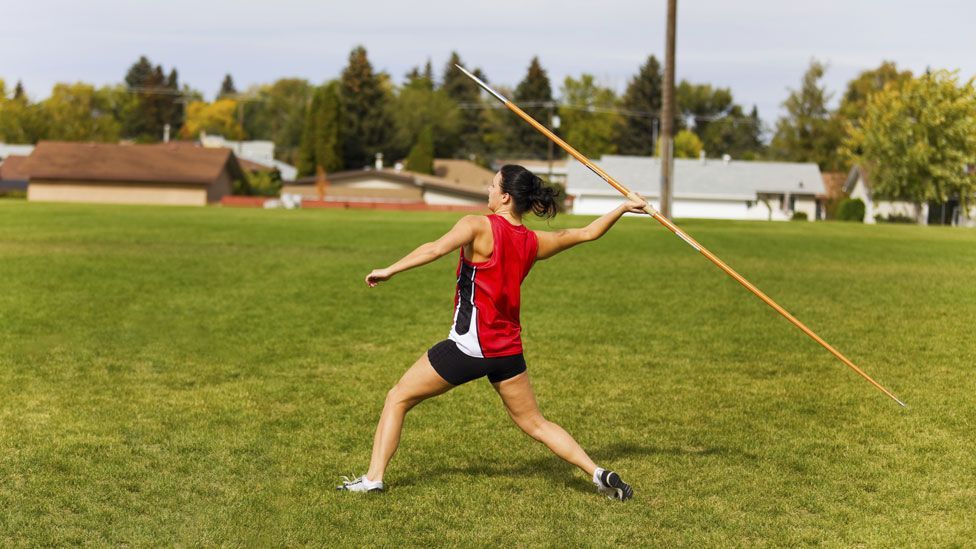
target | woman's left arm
[{"x": 463, "y": 233}]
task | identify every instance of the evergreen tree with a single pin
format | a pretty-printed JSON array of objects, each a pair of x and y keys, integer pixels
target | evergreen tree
[
  {"x": 421, "y": 157},
  {"x": 367, "y": 126},
  {"x": 636, "y": 133},
  {"x": 19, "y": 91},
  {"x": 534, "y": 94},
  {"x": 321, "y": 143},
  {"x": 809, "y": 133},
  {"x": 465, "y": 92},
  {"x": 157, "y": 103},
  {"x": 227, "y": 87},
  {"x": 736, "y": 134}
]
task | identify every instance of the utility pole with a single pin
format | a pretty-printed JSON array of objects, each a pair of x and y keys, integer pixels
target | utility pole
[{"x": 667, "y": 115}]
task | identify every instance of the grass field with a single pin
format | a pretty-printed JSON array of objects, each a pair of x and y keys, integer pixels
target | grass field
[{"x": 204, "y": 376}]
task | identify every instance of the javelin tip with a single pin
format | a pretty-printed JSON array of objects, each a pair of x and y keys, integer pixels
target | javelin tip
[{"x": 484, "y": 86}]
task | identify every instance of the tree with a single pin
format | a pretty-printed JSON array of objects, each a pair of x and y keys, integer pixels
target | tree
[
  {"x": 534, "y": 95},
  {"x": 321, "y": 143},
  {"x": 700, "y": 103},
  {"x": 227, "y": 87},
  {"x": 591, "y": 132},
  {"x": 686, "y": 145},
  {"x": 736, "y": 134},
  {"x": 809, "y": 133},
  {"x": 219, "y": 117},
  {"x": 474, "y": 122},
  {"x": 157, "y": 103},
  {"x": 635, "y": 134},
  {"x": 418, "y": 79},
  {"x": 421, "y": 157},
  {"x": 79, "y": 112},
  {"x": 855, "y": 99},
  {"x": 367, "y": 126},
  {"x": 917, "y": 140},
  {"x": 279, "y": 114},
  {"x": 419, "y": 108},
  {"x": 19, "y": 91},
  {"x": 19, "y": 119}
]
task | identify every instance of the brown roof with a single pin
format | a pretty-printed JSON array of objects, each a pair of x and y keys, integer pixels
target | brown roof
[
  {"x": 463, "y": 172},
  {"x": 162, "y": 163},
  {"x": 403, "y": 176},
  {"x": 14, "y": 168},
  {"x": 834, "y": 183}
]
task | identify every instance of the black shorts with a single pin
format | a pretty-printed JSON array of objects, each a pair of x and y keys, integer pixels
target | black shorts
[{"x": 457, "y": 368}]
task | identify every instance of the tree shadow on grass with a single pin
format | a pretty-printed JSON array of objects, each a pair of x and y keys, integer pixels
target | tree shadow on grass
[{"x": 560, "y": 473}]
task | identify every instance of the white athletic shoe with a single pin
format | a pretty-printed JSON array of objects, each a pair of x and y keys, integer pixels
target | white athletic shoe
[
  {"x": 611, "y": 485},
  {"x": 360, "y": 484}
]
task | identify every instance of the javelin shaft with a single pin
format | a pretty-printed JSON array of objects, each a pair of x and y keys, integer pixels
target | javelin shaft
[{"x": 680, "y": 233}]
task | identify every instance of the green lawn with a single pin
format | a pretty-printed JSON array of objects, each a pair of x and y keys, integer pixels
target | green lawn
[{"x": 204, "y": 376}]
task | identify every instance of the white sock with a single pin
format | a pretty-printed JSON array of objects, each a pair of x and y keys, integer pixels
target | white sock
[
  {"x": 596, "y": 476},
  {"x": 372, "y": 483}
]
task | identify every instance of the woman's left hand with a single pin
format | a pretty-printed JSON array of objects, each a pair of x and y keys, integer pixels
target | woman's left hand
[{"x": 377, "y": 276}]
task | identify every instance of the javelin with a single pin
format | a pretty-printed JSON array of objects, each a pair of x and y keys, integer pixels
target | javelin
[{"x": 677, "y": 231}]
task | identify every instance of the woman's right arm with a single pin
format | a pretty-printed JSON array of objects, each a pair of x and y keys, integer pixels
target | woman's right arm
[
  {"x": 553, "y": 242},
  {"x": 463, "y": 233}
]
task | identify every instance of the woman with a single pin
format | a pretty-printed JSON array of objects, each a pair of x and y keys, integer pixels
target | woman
[{"x": 497, "y": 252}]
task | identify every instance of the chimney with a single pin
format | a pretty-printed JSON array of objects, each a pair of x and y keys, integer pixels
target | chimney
[{"x": 379, "y": 161}]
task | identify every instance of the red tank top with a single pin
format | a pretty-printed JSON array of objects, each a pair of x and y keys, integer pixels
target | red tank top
[{"x": 486, "y": 303}]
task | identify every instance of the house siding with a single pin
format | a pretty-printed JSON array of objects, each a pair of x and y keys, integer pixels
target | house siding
[{"x": 117, "y": 193}]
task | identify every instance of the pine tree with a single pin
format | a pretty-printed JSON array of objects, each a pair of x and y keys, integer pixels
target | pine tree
[
  {"x": 367, "y": 123},
  {"x": 156, "y": 104},
  {"x": 809, "y": 132},
  {"x": 535, "y": 93},
  {"x": 227, "y": 87},
  {"x": 321, "y": 143},
  {"x": 636, "y": 133},
  {"x": 466, "y": 92},
  {"x": 19, "y": 91},
  {"x": 421, "y": 157}
]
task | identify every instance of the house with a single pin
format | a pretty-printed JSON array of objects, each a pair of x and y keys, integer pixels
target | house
[
  {"x": 11, "y": 149},
  {"x": 258, "y": 152},
  {"x": 704, "y": 188},
  {"x": 13, "y": 173},
  {"x": 554, "y": 172},
  {"x": 460, "y": 185},
  {"x": 877, "y": 208},
  {"x": 169, "y": 173}
]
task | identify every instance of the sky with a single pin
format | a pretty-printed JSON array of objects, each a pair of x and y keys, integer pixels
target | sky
[{"x": 758, "y": 48}]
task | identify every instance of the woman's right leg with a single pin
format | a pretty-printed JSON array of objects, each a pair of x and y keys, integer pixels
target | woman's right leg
[
  {"x": 519, "y": 399},
  {"x": 418, "y": 383}
]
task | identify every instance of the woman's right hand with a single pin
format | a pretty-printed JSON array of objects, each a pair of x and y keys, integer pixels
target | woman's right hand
[{"x": 377, "y": 276}]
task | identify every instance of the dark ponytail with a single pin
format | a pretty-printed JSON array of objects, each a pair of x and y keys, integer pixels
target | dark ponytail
[{"x": 528, "y": 191}]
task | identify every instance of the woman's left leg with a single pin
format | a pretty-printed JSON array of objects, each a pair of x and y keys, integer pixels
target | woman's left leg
[{"x": 418, "y": 383}]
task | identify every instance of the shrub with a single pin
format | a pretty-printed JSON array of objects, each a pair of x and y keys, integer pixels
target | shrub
[
  {"x": 851, "y": 209},
  {"x": 799, "y": 216},
  {"x": 895, "y": 218}
]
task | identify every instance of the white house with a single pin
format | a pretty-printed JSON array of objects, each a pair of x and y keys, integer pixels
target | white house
[
  {"x": 10, "y": 149},
  {"x": 259, "y": 152},
  {"x": 951, "y": 213},
  {"x": 704, "y": 188}
]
